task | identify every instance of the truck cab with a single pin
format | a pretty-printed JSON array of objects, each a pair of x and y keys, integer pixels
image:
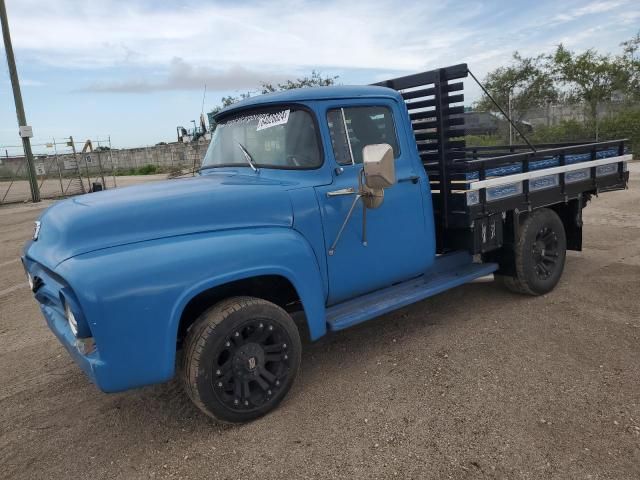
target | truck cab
[
  {"x": 319, "y": 204},
  {"x": 314, "y": 138}
]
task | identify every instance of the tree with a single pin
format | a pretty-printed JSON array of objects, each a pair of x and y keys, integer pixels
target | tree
[
  {"x": 525, "y": 84},
  {"x": 632, "y": 64},
  {"x": 590, "y": 78},
  {"x": 316, "y": 79}
]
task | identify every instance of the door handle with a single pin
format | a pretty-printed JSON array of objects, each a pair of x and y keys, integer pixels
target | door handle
[
  {"x": 342, "y": 191},
  {"x": 412, "y": 179}
]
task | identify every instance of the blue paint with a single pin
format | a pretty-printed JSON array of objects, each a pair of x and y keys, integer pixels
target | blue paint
[{"x": 133, "y": 258}]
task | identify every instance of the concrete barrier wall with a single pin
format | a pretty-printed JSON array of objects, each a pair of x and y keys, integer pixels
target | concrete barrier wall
[
  {"x": 177, "y": 155},
  {"x": 170, "y": 155}
]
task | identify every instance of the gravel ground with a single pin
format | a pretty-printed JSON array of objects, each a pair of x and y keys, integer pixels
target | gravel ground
[{"x": 474, "y": 383}]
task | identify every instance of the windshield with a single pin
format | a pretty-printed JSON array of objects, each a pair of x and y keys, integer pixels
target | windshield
[{"x": 268, "y": 138}]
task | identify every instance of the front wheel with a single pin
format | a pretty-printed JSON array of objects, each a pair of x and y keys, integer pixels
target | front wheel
[
  {"x": 539, "y": 254},
  {"x": 240, "y": 359}
]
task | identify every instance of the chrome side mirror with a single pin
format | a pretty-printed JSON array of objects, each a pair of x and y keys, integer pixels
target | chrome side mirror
[
  {"x": 378, "y": 172},
  {"x": 379, "y": 166}
]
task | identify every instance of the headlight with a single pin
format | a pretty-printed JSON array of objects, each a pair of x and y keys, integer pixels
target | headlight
[
  {"x": 30, "y": 280},
  {"x": 73, "y": 323}
]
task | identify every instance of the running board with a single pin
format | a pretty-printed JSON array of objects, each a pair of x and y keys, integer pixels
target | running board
[{"x": 360, "y": 309}]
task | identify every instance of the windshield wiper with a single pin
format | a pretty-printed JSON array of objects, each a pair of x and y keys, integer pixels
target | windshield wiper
[{"x": 247, "y": 155}]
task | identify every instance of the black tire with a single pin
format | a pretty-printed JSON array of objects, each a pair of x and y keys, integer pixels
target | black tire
[
  {"x": 240, "y": 359},
  {"x": 539, "y": 254}
]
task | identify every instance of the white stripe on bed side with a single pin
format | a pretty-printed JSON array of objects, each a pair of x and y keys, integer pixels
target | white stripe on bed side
[{"x": 518, "y": 177}]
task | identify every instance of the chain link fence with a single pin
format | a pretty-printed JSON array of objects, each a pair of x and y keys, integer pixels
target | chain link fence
[
  {"x": 61, "y": 169},
  {"x": 65, "y": 167}
]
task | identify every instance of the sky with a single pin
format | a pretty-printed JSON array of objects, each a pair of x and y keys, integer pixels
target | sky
[{"x": 134, "y": 70}]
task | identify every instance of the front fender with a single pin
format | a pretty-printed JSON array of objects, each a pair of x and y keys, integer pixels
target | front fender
[{"x": 133, "y": 296}]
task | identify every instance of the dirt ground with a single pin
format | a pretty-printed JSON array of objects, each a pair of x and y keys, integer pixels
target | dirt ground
[
  {"x": 474, "y": 383},
  {"x": 18, "y": 191}
]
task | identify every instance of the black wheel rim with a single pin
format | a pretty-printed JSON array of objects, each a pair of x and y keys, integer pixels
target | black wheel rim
[
  {"x": 545, "y": 253},
  {"x": 252, "y": 366}
]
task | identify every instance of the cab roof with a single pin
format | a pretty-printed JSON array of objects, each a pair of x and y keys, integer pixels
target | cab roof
[{"x": 311, "y": 93}]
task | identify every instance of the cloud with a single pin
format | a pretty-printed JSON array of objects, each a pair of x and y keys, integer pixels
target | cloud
[
  {"x": 589, "y": 9},
  {"x": 291, "y": 33},
  {"x": 236, "y": 45},
  {"x": 630, "y": 17},
  {"x": 27, "y": 82},
  {"x": 184, "y": 76}
]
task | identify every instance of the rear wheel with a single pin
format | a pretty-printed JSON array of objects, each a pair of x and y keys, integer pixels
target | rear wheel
[
  {"x": 539, "y": 254},
  {"x": 240, "y": 359}
]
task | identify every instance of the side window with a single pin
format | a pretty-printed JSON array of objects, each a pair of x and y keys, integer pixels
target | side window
[{"x": 353, "y": 128}]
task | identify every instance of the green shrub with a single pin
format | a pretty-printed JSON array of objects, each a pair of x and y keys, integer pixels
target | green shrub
[
  {"x": 144, "y": 170},
  {"x": 624, "y": 124},
  {"x": 484, "y": 140},
  {"x": 148, "y": 170},
  {"x": 567, "y": 131}
]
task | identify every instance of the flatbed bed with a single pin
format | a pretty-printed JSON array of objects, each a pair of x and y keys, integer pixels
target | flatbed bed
[{"x": 477, "y": 191}]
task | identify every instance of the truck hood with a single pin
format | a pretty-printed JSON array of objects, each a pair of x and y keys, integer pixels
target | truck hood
[{"x": 206, "y": 203}]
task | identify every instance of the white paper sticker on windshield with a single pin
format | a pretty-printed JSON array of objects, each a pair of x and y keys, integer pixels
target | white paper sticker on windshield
[{"x": 272, "y": 119}]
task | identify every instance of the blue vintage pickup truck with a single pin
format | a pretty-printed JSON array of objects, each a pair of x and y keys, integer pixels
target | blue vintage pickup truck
[{"x": 336, "y": 204}]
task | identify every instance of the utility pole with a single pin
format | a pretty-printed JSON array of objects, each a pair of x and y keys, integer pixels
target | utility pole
[
  {"x": 25, "y": 131},
  {"x": 510, "y": 124}
]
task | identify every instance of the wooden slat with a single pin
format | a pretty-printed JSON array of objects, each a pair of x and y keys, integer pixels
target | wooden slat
[
  {"x": 454, "y": 98},
  {"x": 457, "y": 144},
  {"x": 432, "y": 113},
  {"x": 425, "y": 78},
  {"x": 426, "y": 92},
  {"x": 421, "y": 104},
  {"x": 435, "y": 135},
  {"x": 432, "y": 102},
  {"x": 430, "y": 91},
  {"x": 453, "y": 110},
  {"x": 455, "y": 132},
  {"x": 431, "y": 156},
  {"x": 420, "y": 115},
  {"x": 424, "y": 125},
  {"x": 456, "y": 71},
  {"x": 427, "y": 153},
  {"x": 456, "y": 154},
  {"x": 455, "y": 87},
  {"x": 426, "y": 136},
  {"x": 427, "y": 124}
]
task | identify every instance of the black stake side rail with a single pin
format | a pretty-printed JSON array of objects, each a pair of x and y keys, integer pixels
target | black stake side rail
[
  {"x": 487, "y": 151},
  {"x": 525, "y": 158},
  {"x": 464, "y": 212}
]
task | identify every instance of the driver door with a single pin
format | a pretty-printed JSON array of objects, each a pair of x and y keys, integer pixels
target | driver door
[{"x": 395, "y": 231}]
